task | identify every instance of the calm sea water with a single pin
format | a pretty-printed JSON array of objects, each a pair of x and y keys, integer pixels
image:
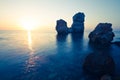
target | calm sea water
[{"x": 46, "y": 56}]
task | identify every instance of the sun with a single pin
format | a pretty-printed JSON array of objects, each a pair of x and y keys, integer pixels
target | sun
[{"x": 29, "y": 24}]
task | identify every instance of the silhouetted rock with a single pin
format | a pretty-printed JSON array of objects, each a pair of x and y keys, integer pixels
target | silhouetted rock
[
  {"x": 99, "y": 64},
  {"x": 78, "y": 22},
  {"x": 61, "y": 26},
  {"x": 102, "y": 34}
]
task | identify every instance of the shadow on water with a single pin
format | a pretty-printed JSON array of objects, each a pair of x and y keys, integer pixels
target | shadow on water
[
  {"x": 99, "y": 63},
  {"x": 77, "y": 42},
  {"x": 61, "y": 43},
  {"x": 61, "y": 37}
]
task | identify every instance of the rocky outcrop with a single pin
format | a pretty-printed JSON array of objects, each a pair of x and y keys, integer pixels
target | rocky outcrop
[
  {"x": 102, "y": 34},
  {"x": 78, "y": 23},
  {"x": 61, "y": 27},
  {"x": 77, "y": 26},
  {"x": 99, "y": 64}
]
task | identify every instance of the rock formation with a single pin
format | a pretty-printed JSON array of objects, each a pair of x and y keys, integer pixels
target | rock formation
[
  {"x": 61, "y": 27},
  {"x": 77, "y": 26},
  {"x": 102, "y": 34},
  {"x": 78, "y": 23},
  {"x": 99, "y": 64}
]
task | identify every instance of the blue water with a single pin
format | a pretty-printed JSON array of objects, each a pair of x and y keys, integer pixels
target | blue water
[{"x": 46, "y": 56}]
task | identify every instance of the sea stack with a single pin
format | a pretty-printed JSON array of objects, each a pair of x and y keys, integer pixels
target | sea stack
[
  {"x": 61, "y": 27},
  {"x": 78, "y": 23},
  {"x": 102, "y": 34}
]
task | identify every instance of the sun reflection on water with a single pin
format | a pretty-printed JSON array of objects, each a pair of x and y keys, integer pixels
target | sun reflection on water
[
  {"x": 30, "y": 63},
  {"x": 30, "y": 41}
]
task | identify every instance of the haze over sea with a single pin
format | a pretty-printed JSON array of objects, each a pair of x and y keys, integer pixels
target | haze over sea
[{"x": 39, "y": 55}]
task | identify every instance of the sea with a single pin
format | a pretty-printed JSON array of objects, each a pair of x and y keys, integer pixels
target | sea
[{"x": 35, "y": 55}]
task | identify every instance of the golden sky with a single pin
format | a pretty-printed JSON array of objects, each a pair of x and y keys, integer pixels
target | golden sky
[{"x": 16, "y": 14}]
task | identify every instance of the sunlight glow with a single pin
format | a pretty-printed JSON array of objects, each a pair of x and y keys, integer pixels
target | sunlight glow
[{"x": 29, "y": 23}]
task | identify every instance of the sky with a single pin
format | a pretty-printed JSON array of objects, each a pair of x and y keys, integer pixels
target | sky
[{"x": 15, "y": 14}]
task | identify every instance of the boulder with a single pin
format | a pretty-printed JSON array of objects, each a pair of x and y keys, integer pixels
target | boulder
[
  {"x": 102, "y": 34},
  {"x": 61, "y": 26},
  {"x": 78, "y": 22},
  {"x": 99, "y": 64}
]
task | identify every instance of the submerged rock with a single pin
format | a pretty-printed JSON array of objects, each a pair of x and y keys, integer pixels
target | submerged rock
[
  {"x": 102, "y": 34},
  {"x": 78, "y": 22},
  {"x": 61, "y": 26},
  {"x": 99, "y": 64}
]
